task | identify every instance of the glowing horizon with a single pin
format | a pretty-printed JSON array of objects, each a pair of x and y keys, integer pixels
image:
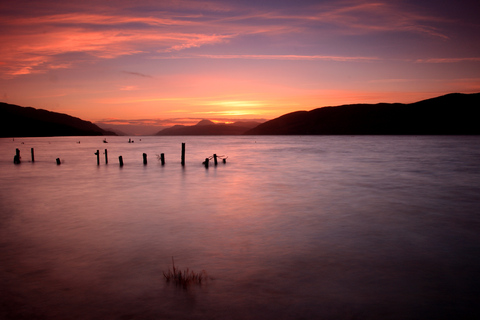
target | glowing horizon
[{"x": 229, "y": 61}]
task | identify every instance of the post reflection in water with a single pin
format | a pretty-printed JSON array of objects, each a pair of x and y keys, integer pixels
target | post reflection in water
[{"x": 288, "y": 228}]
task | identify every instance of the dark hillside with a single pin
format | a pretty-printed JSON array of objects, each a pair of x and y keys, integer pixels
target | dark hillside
[
  {"x": 16, "y": 121},
  {"x": 450, "y": 114}
]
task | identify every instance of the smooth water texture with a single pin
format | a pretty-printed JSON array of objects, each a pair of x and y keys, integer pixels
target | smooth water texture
[{"x": 294, "y": 227}]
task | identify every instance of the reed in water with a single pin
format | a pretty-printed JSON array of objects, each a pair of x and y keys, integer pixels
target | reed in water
[{"x": 184, "y": 277}]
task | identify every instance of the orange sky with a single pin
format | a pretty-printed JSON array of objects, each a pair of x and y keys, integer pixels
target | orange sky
[{"x": 171, "y": 62}]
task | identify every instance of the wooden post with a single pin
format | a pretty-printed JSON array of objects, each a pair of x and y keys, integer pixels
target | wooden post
[
  {"x": 183, "y": 153},
  {"x": 120, "y": 159},
  {"x": 144, "y": 158},
  {"x": 224, "y": 160},
  {"x": 58, "y": 161},
  {"x": 106, "y": 157},
  {"x": 206, "y": 162},
  {"x": 98, "y": 157},
  {"x": 162, "y": 158},
  {"x": 33, "y": 155},
  {"x": 16, "y": 158},
  {"x": 215, "y": 158}
]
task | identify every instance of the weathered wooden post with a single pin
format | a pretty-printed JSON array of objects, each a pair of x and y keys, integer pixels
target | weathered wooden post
[
  {"x": 106, "y": 157},
  {"x": 183, "y": 153},
  {"x": 224, "y": 160},
  {"x": 162, "y": 159},
  {"x": 206, "y": 162},
  {"x": 33, "y": 155},
  {"x": 215, "y": 158},
  {"x": 16, "y": 158},
  {"x": 120, "y": 159},
  {"x": 144, "y": 158},
  {"x": 98, "y": 157},
  {"x": 58, "y": 161}
]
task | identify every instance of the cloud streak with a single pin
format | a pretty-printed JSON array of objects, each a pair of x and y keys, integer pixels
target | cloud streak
[
  {"x": 291, "y": 57},
  {"x": 138, "y": 74},
  {"x": 448, "y": 60},
  {"x": 37, "y": 41}
]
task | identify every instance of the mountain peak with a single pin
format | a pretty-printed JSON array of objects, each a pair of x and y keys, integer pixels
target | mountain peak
[{"x": 205, "y": 122}]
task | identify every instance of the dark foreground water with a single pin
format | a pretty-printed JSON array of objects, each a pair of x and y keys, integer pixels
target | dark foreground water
[{"x": 289, "y": 228}]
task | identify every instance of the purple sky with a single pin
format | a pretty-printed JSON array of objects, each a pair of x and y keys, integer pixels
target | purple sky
[{"x": 167, "y": 62}]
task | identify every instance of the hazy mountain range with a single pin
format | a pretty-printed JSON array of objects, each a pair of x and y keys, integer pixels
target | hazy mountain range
[
  {"x": 449, "y": 114},
  {"x": 207, "y": 127}
]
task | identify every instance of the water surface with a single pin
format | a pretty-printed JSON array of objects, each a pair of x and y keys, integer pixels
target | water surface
[{"x": 296, "y": 227}]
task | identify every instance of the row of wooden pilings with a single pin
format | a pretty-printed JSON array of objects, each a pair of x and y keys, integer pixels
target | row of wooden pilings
[
  {"x": 16, "y": 158},
  {"x": 120, "y": 158}
]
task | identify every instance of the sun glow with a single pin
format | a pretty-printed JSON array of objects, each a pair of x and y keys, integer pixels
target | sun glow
[{"x": 237, "y": 104}]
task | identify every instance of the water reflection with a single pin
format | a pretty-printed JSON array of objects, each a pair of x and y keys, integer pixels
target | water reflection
[{"x": 290, "y": 227}]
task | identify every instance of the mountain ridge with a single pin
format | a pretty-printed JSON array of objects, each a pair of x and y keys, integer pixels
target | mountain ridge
[
  {"x": 450, "y": 114},
  {"x": 17, "y": 121},
  {"x": 453, "y": 113}
]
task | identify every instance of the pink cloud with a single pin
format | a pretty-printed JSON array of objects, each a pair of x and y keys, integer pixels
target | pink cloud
[{"x": 36, "y": 41}]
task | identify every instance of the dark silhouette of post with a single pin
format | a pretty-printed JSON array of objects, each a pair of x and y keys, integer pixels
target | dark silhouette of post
[
  {"x": 33, "y": 155},
  {"x": 106, "y": 157},
  {"x": 162, "y": 159},
  {"x": 206, "y": 162},
  {"x": 183, "y": 153},
  {"x": 144, "y": 158},
  {"x": 120, "y": 159},
  {"x": 58, "y": 161},
  {"x": 215, "y": 158},
  {"x": 98, "y": 157},
  {"x": 16, "y": 158}
]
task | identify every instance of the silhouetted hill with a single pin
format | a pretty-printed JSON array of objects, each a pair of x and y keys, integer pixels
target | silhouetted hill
[
  {"x": 207, "y": 127},
  {"x": 16, "y": 121},
  {"x": 449, "y": 114}
]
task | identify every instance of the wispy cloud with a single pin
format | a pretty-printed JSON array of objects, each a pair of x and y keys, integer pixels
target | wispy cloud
[
  {"x": 128, "y": 88},
  {"x": 36, "y": 42},
  {"x": 379, "y": 16},
  {"x": 448, "y": 60},
  {"x": 138, "y": 74},
  {"x": 289, "y": 57}
]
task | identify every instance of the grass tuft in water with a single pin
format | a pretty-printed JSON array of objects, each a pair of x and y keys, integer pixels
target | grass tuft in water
[{"x": 184, "y": 277}]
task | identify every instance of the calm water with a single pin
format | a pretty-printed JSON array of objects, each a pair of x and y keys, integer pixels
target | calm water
[{"x": 289, "y": 228}]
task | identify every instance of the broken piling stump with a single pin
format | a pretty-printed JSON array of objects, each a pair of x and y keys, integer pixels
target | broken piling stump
[
  {"x": 98, "y": 157},
  {"x": 16, "y": 158},
  {"x": 183, "y": 153}
]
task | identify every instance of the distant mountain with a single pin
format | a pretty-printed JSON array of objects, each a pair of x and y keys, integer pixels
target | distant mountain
[
  {"x": 449, "y": 114},
  {"x": 16, "y": 121},
  {"x": 207, "y": 127}
]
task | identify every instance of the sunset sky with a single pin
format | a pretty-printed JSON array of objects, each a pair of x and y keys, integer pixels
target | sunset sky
[{"x": 166, "y": 62}]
